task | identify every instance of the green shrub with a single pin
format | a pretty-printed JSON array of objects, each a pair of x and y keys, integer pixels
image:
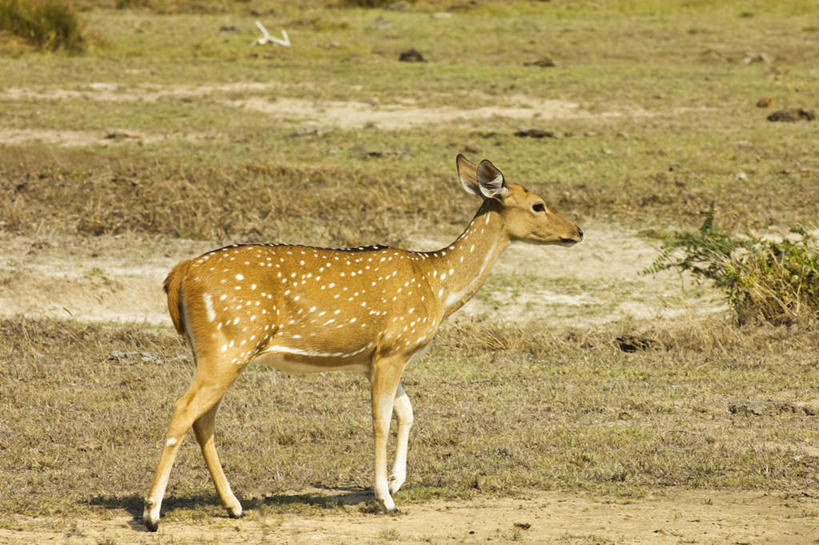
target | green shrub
[
  {"x": 763, "y": 279},
  {"x": 48, "y": 24}
]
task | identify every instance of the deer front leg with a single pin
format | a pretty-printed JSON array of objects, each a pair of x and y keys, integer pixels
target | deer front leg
[
  {"x": 403, "y": 413},
  {"x": 386, "y": 375}
]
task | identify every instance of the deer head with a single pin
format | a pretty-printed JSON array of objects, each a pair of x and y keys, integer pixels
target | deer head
[{"x": 526, "y": 215}]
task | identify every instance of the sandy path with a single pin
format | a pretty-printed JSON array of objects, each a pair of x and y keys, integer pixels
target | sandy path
[
  {"x": 119, "y": 279},
  {"x": 672, "y": 517},
  {"x": 296, "y": 112}
]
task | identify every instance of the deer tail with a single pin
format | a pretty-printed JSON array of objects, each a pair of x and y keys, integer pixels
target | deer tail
[{"x": 173, "y": 288}]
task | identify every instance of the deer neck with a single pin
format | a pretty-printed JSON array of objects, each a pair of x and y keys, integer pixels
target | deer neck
[{"x": 457, "y": 272}]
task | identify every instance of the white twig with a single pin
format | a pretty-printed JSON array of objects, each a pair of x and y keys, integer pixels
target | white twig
[{"x": 268, "y": 39}]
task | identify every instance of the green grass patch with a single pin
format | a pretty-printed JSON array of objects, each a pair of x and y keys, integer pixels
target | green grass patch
[{"x": 772, "y": 280}]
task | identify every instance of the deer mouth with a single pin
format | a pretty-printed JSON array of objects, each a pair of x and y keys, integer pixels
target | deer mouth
[{"x": 568, "y": 241}]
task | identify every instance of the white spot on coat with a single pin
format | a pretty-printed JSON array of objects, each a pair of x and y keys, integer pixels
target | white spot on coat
[{"x": 209, "y": 306}]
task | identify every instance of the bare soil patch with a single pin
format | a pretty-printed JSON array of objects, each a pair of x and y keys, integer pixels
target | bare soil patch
[
  {"x": 668, "y": 517},
  {"x": 403, "y": 113},
  {"x": 119, "y": 278},
  {"x": 356, "y": 115},
  {"x": 112, "y": 137},
  {"x": 92, "y": 279},
  {"x": 114, "y": 92}
]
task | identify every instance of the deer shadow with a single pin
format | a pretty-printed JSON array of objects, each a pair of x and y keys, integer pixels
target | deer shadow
[{"x": 323, "y": 496}]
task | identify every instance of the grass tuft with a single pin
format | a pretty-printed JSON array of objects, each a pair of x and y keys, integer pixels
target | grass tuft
[{"x": 47, "y": 24}]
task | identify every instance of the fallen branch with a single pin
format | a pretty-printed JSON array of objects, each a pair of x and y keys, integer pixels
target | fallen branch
[{"x": 268, "y": 39}]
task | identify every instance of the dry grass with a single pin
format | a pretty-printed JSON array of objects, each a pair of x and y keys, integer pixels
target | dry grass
[
  {"x": 90, "y": 195},
  {"x": 47, "y": 24},
  {"x": 672, "y": 123},
  {"x": 78, "y": 192},
  {"x": 671, "y": 126},
  {"x": 703, "y": 406}
]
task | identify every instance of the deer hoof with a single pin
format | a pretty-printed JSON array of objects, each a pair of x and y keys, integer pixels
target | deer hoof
[
  {"x": 151, "y": 515},
  {"x": 151, "y": 525},
  {"x": 387, "y": 505},
  {"x": 396, "y": 482}
]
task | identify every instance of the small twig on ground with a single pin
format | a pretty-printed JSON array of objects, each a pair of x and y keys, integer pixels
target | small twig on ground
[{"x": 268, "y": 39}]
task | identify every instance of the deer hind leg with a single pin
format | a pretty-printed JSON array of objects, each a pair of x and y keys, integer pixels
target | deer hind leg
[
  {"x": 203, "y": 428},
  {"x": 385, "y": 378},
  {"x": 403, "y": 413},
  {"x": 207, "y": 389}
]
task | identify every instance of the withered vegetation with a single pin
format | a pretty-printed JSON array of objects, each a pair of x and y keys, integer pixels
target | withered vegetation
[{"x": 498, "y": 411}]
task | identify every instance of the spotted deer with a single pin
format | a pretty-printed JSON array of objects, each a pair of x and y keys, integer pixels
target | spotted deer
[{"x": 301, "y": 309}]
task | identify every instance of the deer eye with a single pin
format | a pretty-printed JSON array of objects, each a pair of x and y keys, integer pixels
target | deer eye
[{"x": 539, "y": 207}]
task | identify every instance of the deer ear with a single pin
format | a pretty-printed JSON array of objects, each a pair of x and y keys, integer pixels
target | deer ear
[
  {"x": 468, "y": 175},
  {"x": 490, "y": 181}
]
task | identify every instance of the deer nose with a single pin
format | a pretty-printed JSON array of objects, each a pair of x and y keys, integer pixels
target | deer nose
[{"x": 580, "y": 233}]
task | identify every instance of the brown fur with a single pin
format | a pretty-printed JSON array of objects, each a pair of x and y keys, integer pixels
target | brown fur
[{"x": 173, "y": 288}]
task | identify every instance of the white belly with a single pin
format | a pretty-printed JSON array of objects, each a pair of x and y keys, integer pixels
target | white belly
[{"x": 303, "y": 363}]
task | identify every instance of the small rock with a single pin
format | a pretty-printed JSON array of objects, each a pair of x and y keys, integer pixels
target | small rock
[
  {"x": 765, "y": 102},
  {"x": 134, "y": 357},
  {"x": 747, "y": 409},
  {"x": 228, "y": 29},
  {"x": 308, "y": 131},
  {"x": 632, "y": 343},
  {"x": 535, "y": 133},
  {"x": 411, "y": 55},
  {"x": 523, "y": 525},
  {"x": 543, "y": 62},
  {"x": 364, "y": 153},
  {"x": 759, "y": 407},
  {"x": 793, "y": 114},
  {"x": 741, "y": 176},
  {"x": 119, "y": 135},
  {"x": 751, "y": 58}
]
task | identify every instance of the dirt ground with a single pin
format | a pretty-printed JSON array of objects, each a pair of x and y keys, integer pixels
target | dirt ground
[
  {"x": 303, "y": 114},
  {"x": 702, "y": 517},
  {"x": 119, "y": 279}
]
